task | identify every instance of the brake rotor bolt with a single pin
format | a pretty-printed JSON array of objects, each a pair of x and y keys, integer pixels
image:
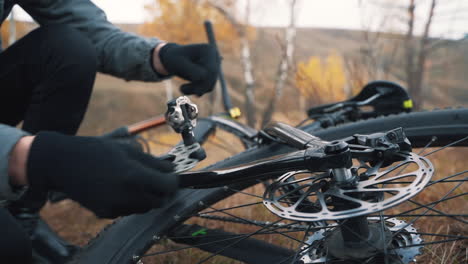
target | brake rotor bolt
[
  {"x": 156, "y": 238},
  {"x": 176, "y": 217},
  {"x": 201, "y": 203},
  {"x": 136, "y": 258}
]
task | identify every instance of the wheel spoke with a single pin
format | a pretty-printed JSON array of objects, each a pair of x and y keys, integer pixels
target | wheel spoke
[
  {"x": 427, "y": 210},
  {"x": 440, "y": 213},
  {"x": 430, "y": 243},
  {"x": 298, "y": 251},
  {"x": 449, "y": 177},
  {"x": 420, "y": 207},
  {"x": 446, "y": 146},
  {"x": 235, "y": 242},
  {"x": 382, "y": 233},
  {"x": 189, "y": 247},
  {"x": 438, "y": 235},
  {"x": 253, "y": 223},
  {"x": 229, "y": 237},
  {"x": 246, "y": 193},
  {"x": 231, "y": 208}
]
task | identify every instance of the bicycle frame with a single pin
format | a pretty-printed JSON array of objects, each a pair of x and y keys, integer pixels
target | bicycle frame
[{"x": 316, "y": 155}]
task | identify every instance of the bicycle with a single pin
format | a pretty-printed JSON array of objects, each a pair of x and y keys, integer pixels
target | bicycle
[
  {"x": 127, "y": 238},
  {"x": 194, "y": 218}
]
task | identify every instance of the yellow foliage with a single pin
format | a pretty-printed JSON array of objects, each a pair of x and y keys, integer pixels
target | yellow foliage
[
  {"x": 181, "y": 21},
  {"x": 321, "y": 81}
]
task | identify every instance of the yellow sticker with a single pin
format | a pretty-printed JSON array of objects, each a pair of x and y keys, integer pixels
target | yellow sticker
[
  {"x": 408, "y": 104},
  {"x": 235, "y": 112}
]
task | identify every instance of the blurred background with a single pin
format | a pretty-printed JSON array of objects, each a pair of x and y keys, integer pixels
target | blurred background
[
  {"x": 280, "y": 57},
  {"x": 283, "y": 56}
]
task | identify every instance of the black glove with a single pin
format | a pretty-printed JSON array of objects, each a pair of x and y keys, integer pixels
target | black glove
[
  {"x": 108, "y": 178},
  {"x": 197, "y": 63}
]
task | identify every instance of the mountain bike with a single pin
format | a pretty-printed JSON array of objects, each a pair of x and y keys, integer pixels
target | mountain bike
[
  {"x": 354, "y": 192},
  {"x": 313, "y": 230}
]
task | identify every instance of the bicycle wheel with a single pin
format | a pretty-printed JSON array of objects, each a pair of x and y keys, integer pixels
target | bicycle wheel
[{"x": 223, "y": 222}]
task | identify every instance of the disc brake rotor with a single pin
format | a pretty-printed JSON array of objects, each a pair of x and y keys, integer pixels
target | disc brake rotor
[
  {"x": 403, "y": 246},
  {"x": 317, "y": 197}
]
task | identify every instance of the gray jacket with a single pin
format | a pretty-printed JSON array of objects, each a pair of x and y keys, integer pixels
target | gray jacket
[{"x": 121, "y": 54}]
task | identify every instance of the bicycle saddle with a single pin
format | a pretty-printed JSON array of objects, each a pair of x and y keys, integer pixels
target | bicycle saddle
[{"x": 383, "y": 96}]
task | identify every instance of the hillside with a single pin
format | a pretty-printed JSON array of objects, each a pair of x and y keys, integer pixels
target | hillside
[
  {"x": 446, "y": 84},
  {"x": 116, "y": 101}
]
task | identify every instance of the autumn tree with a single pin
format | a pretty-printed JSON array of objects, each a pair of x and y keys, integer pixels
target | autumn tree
[
  {"x": 403, "y": 44},
  {"x": 320, "y": 81},
  {"x": 181, "y": 21}
]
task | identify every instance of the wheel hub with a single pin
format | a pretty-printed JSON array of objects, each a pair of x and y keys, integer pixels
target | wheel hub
[{"x": 401, "y": 244}]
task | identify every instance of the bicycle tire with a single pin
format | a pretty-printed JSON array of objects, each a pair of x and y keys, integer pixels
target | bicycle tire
[{"x": 128, "y": 237}]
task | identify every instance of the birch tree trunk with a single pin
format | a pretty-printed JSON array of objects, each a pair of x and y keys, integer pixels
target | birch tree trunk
[
  {"x": 169, "y": 90},
  {"x": 409, "y": 45},
  {"x": 416, "y": 58},
  {"x": 418, "y": 79},
  {"x": 284, "y": 65},
  {"x": 249, "y": 82},
  {"x": 246, "y": 61}
]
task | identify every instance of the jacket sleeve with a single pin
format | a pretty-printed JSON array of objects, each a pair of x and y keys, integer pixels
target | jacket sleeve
[
  {"x": 121, "y": 54},
  {"x": 8, "y": 138}
]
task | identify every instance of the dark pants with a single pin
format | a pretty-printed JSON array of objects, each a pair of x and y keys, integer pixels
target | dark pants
[{"x": 46, "y": 79}]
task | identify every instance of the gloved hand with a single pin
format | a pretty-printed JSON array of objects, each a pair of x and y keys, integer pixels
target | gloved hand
[
  {"x": 197, "y": 63},
  {"x": 108, "y": 178}
]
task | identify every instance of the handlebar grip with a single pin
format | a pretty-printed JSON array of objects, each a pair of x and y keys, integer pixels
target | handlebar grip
[
  {"x": 233, "y": 112},
  {"x": 210, "y": 33},
  {"x": 294, "y": 137}
]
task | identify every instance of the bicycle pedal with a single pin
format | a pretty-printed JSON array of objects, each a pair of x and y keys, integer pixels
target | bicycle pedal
[{"x": 185, "y": 157}]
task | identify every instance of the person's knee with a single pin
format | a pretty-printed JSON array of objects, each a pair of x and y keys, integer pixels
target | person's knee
[
  {"x": 65, "y": 82},
  {"x": 75, "y": 60},
  {"x": 72, "y": 48}
]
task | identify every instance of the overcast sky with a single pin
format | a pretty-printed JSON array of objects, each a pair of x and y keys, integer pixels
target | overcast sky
[{"x": 451, "y": 20}]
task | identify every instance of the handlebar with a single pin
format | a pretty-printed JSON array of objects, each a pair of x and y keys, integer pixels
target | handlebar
[{"x": 234, "y": 112}]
